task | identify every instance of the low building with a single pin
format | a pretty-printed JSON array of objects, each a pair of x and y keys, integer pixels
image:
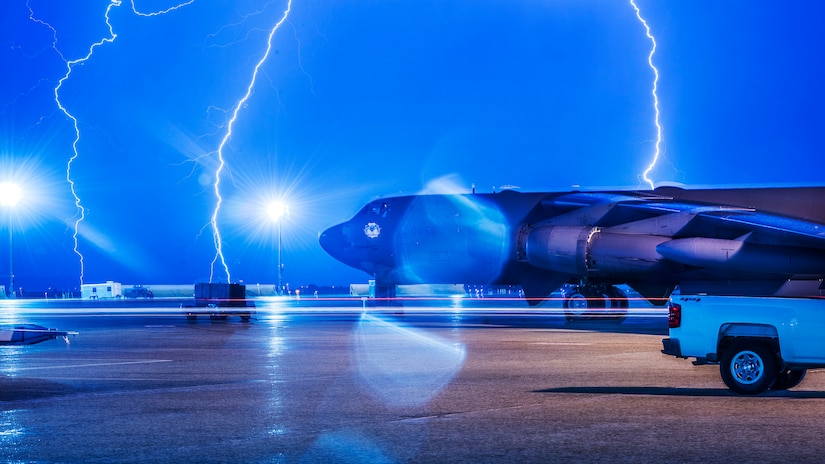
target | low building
[{"x": 109, "y": 289}]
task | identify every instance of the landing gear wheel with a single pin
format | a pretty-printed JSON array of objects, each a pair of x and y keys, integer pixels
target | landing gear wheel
[
  {"x": 576, "y": 305},
  {"x": 618, "y": 303},
  {"x": 788, "y": 378},
  {"x": 590, "y": 302},
  {"x": 748, "y": 368}
]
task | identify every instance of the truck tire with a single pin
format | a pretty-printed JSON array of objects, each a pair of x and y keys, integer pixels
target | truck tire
[
  {"x": 748, "y": 367},
  {"x": 788, "y": 378}
]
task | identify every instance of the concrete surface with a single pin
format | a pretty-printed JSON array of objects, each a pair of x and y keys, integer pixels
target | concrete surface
[{"x": 383, "y": 386}]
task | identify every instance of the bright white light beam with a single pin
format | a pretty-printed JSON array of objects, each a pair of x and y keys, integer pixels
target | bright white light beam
[
  {"x": 655, "y": 96},
  {"x": 216, "y": 234}
]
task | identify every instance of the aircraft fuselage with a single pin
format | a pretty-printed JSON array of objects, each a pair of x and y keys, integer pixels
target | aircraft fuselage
[{"x": 651, "y": 241}]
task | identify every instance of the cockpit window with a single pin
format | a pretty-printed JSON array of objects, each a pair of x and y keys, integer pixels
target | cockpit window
[{"x": 380, "y": 208}]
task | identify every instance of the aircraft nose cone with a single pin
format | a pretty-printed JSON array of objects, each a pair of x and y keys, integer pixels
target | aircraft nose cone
[
  {"x": 342, "y": 243},
  {"x": 332, "y": 241}
]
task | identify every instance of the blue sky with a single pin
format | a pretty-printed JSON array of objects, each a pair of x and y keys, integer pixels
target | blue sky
[{"x": 361, "y": 99}]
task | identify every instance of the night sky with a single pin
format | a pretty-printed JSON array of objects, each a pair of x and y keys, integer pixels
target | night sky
[{"x": 361, "y": 99}]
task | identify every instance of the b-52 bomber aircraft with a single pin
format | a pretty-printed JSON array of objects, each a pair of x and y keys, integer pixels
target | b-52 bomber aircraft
[{"x": 744, "y": 241}]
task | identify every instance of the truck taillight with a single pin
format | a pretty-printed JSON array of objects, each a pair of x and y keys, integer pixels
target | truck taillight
[{"x": 674, "y": 315}]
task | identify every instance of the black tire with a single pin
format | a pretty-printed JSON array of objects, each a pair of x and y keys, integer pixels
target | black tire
[
  {"x": 576, "y": 305},
  {"x": 748, "y": 367},
  {"x": 789, "y": 378},
  {"x": 618, "y": 303},
  {"x": 584, "y": 303}
]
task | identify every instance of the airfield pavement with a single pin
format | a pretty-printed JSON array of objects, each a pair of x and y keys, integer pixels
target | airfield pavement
[{"x": 335, "y": 382}]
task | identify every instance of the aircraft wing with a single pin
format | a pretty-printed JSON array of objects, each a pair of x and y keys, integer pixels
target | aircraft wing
[
  {"x": 774, "y": 228},
  {"x": 29, "y": 334},
  {"x": 730, "y": 222}
]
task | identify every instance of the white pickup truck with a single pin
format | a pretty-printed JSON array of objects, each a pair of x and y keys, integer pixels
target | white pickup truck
[{"x": 760, "y": 343}]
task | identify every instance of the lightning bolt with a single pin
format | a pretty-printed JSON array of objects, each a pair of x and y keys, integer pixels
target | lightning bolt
[
  {"x": 655, "y": 96},
  {"x": 216, "y": 234},
  {"x": 70, "y": 65},
  {"x": 161, "y": 12}
]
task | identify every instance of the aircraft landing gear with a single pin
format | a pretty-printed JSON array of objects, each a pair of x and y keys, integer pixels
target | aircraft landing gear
[{"x": 582, "y": 302}]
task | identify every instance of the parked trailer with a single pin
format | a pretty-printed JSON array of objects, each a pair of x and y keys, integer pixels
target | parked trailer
[
  {"x": 217, "y": 313},
  {"x": 219, "y": 302}
]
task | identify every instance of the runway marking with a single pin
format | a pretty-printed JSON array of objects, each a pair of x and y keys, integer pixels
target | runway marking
[{"x": 123, "y": 363}]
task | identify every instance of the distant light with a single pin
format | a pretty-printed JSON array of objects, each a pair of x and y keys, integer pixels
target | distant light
[
  {"x": 277, "y": 210},
  {"x": 9, "y": 194}
]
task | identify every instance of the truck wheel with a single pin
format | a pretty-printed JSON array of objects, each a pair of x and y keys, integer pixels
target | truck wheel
[
  {"x": 788, "y": 379},
  {"x": 748, "y": 368}
]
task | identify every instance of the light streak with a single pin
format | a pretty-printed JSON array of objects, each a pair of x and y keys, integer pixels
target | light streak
[
  {"x": 216, "y": 234},
  {"x": 655, "y": 96},
  {"x": 70, "y": 64}
]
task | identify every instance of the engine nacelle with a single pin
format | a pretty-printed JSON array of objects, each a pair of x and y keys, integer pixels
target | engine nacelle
[
  {"x": 556, "y": 248},
  {"x": 591, "y": 252}
]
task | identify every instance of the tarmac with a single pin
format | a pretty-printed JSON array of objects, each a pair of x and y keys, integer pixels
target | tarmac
[{"x": 334, "y": 382}]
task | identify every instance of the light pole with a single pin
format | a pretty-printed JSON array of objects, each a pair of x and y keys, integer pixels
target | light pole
[
  {"x": 9, "y": 196},
  {"x": 277, "y": 211}
]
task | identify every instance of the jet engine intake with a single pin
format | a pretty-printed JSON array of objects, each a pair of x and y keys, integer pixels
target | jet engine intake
[
  {"x": 590, "y": 251},
  {"x": 557, "y": 248}
]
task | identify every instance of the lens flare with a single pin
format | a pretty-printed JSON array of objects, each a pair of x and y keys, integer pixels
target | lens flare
[{"x": 404, "y": 366}]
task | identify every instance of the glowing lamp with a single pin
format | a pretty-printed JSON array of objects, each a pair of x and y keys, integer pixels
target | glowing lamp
[
  {"x": 9, "y": 194},
  {"x": 277, "y": 210}
]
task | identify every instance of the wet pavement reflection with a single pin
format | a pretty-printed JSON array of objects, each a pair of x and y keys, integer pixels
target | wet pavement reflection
[{"x": 295, "y": 385}]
